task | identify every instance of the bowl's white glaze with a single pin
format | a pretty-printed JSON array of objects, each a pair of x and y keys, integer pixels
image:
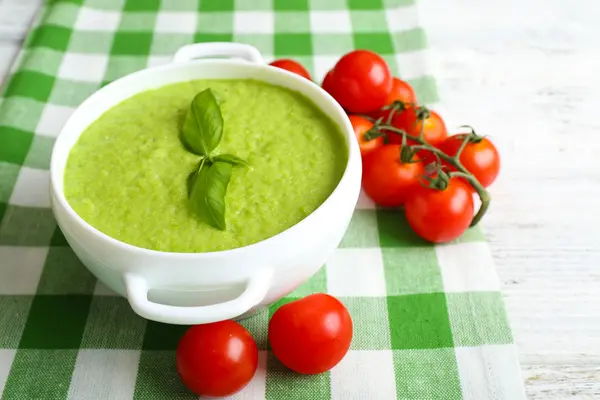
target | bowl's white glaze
[{"x": 194, "y": 288}]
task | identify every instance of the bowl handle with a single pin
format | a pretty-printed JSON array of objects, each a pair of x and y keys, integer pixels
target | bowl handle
[
  {"x": 218, "y": 49},
  {"x": 137, "y": 294}
]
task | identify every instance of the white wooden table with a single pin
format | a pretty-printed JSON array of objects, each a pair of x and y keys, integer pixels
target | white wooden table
[{"x": 524, "y": 73}]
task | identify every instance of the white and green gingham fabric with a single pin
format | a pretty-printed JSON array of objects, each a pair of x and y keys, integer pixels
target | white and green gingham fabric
[{"x": 429, "y": 321}]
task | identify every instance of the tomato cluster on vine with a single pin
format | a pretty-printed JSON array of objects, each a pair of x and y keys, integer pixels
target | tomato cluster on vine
[{"x": 409, "y": 159}]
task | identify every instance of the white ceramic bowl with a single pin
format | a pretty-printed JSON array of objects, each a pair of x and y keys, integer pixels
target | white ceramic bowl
[{"x": 196, "y": 288}]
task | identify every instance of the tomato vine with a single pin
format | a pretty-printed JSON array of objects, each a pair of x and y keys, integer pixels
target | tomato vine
[{"x": 440, "y": 178}]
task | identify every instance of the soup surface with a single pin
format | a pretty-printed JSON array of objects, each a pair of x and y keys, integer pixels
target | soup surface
[{"x": 127, "y": 174}]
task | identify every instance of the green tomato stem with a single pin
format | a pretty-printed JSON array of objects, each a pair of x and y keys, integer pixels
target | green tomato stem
[
  {"x": 461, "y": 172},
  {"x": 464, "y": 144},
  {"x": 481, "y": 192}
]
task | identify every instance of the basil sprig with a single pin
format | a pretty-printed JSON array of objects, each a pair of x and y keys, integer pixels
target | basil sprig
[{"x": 207, "y": 184}]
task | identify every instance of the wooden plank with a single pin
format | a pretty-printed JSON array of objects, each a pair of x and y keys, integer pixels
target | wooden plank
[
  {"x": 15, "y": 19},
  {"x": 562, "y": 382},
  {"x": 528, "y": 80},
  {"x": 15, "y": 16}
]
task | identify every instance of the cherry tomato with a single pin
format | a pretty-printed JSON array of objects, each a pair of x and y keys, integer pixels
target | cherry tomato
[
  {"x": 479, "y": 158},
  {"x": 434, "y": 128},
  {"x": 440, "y": 215},
  {"x": 292, "y": 66},
  {"x": 361, "y": 81},
  {"x": 386, "y": 179},
  {"x": 216, "y": 359},
  {"x": 311, "y": 335},
  {"x": 361, "y": 127},
  {"x": 401, "y": 91},
  {"x": 328, "y": 83}
]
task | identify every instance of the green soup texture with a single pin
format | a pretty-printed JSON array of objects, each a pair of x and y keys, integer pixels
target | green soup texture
[{"x": 126, "y": 175}]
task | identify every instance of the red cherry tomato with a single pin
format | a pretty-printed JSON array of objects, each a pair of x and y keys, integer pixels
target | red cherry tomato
[
  {"x": 328, "y": 83},
  {"x": 479, "y": 158},
  {"x": 292, "y": 66},
  {"x": 311, "y": 335},
  {"x": 386, "y": 179},
  {"x": 216, "y": 359},
  {"x": 434, "y": 128},
  {"x": 440, "y": 215},
  {"x": 401, "y": 91},
  {"x": 361, "y": 81},
  {"x": 361, "y": 126}
]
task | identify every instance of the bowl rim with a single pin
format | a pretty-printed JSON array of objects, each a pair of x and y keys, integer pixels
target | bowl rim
[{"x": 353, "y": 163}]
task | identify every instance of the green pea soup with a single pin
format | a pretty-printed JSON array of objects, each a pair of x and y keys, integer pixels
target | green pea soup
[{"x": 127, "y": 174}]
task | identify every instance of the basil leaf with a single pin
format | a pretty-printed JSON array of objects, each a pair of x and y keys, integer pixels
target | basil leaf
[
  {"x": 218, "y": 97},
  {"x": 192, "y": 176},
  {"x": 203, "y": 125},
  {"x": 208, "y": 193},
  {"x": 231, "y": 159},
  {"x": 190, "y": 181}
]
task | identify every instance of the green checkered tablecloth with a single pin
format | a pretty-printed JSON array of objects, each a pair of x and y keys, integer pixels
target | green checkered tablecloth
[{"x": 429, "y": 321}]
